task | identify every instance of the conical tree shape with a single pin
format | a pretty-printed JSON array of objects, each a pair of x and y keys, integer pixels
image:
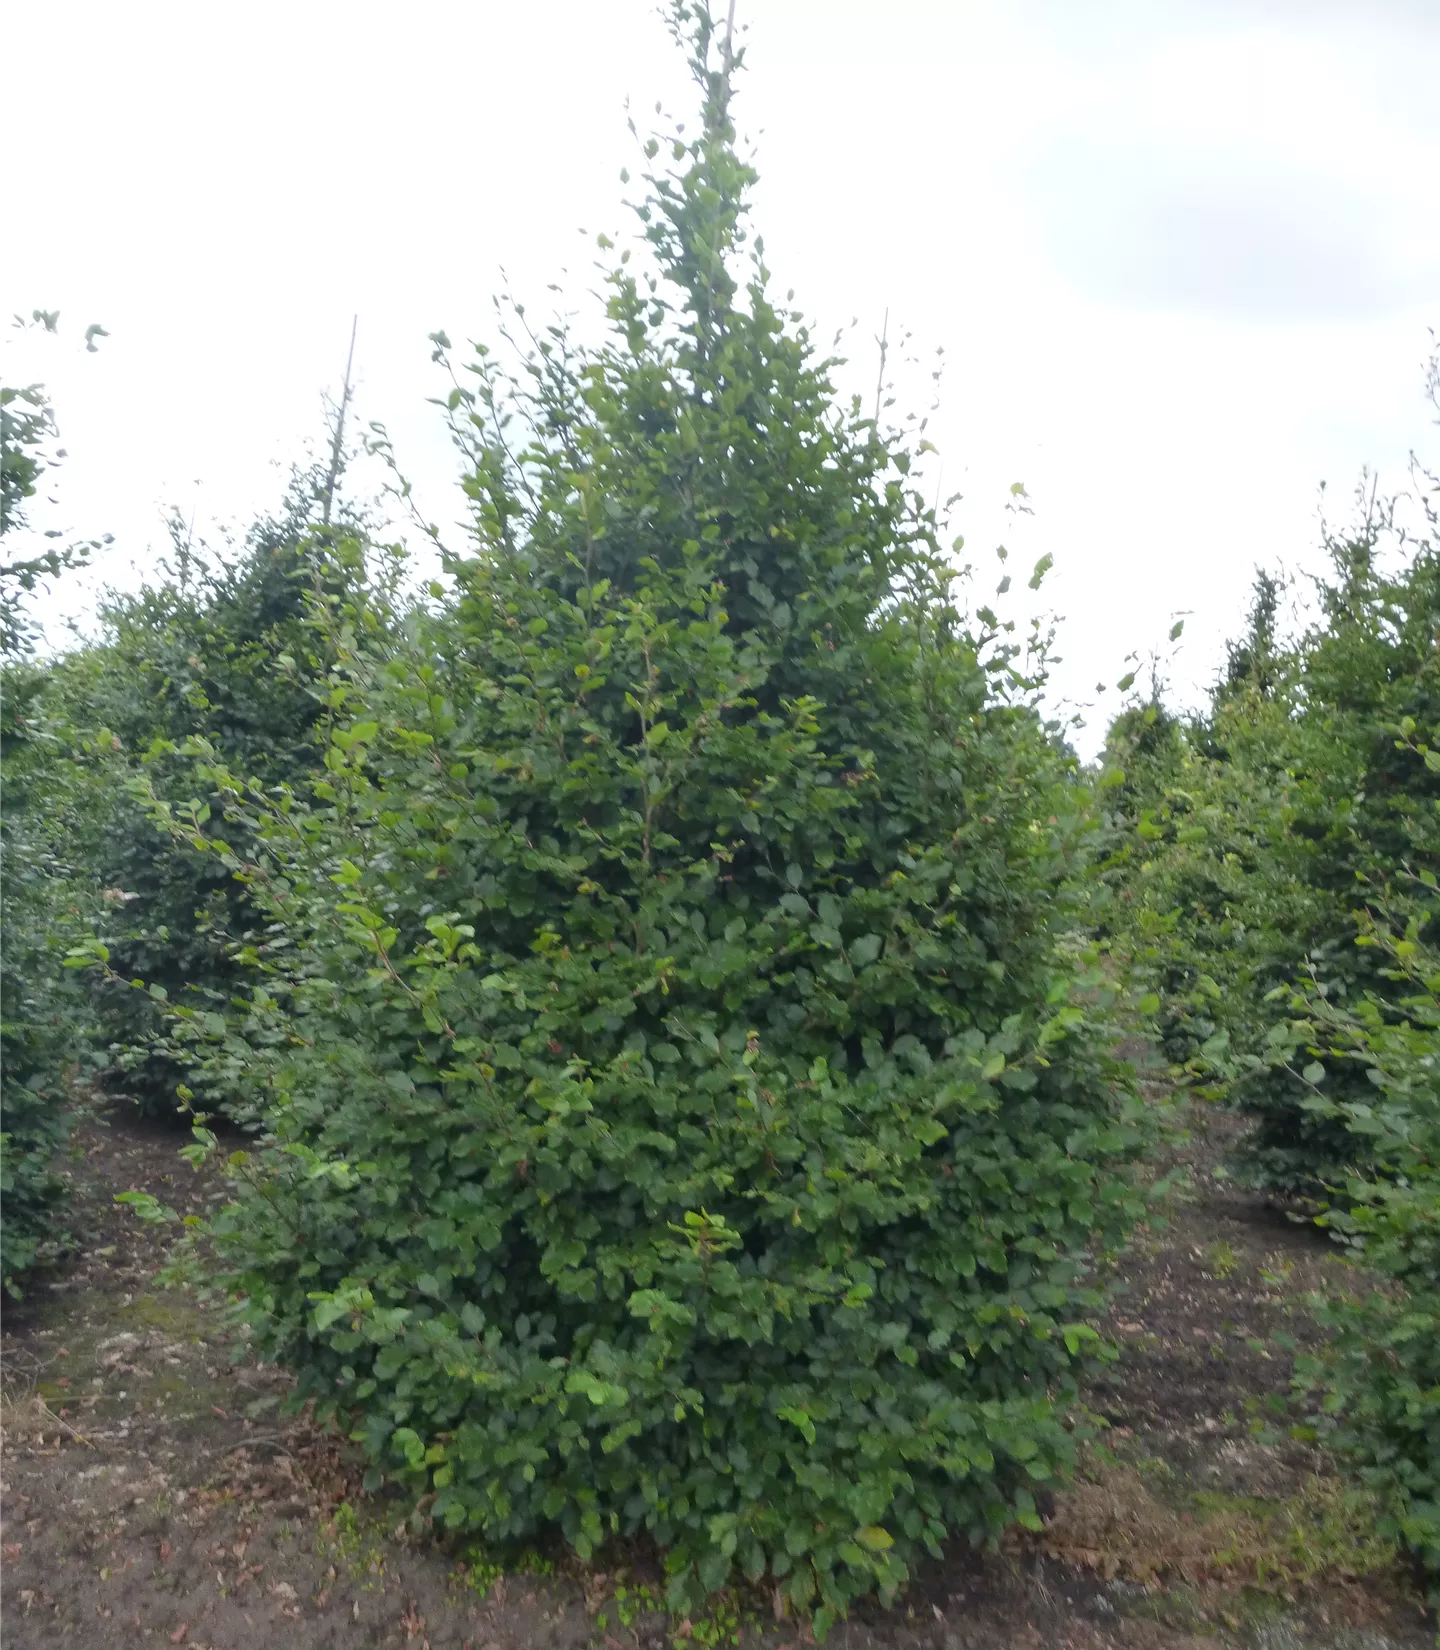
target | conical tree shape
[{"x": 683, "y": 1125}]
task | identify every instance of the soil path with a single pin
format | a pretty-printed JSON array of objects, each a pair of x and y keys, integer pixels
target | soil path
[{"x": 152, "y": 1495}]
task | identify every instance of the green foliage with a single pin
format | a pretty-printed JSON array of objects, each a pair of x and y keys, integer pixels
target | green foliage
[
  {"x": 1247, "y": 845},
  {"x": 1250, "y": 663},
  {"x": 46, "y": 906},
  {"x": 45, "y": 903},
  {"x": 28, "y": 433},
  {"x": 1358, "y": 811},
  {"x": 224, "y": 650},
  {"x": 1203, "y": 910},
  {"x": 1378, "y": 1378},
  {"x": 689, "y": 1101},
  {"x": 27, "y": 424},
  {"x": 1292, "y": 836}
]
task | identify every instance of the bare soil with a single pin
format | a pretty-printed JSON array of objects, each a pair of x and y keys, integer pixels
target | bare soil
[{"x": 152, "y": 1493}]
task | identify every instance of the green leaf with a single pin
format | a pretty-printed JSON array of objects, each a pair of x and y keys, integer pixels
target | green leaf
[
  {"x": 1042, "y": 567},
  {"x": 801, "y": 1419}
]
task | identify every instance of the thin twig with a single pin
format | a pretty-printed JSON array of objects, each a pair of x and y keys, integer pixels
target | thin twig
[
  {"x": 880, "y": 378},
  {"x": 337, "y": 445},
  {"x": 272, "y": 1440},
  {"x": 50, "y": 1414}
]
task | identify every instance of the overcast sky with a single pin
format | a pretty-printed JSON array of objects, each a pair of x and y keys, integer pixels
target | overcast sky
[{"x": 1181, "y": 257}]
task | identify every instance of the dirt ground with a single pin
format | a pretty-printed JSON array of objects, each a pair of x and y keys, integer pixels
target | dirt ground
[{"x": 152, "y": 1494}]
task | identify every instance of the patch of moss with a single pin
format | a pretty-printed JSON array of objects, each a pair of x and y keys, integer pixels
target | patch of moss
[
  {"x": 1327, "y": 1527},
  {"x": 1178, "y": 1606},
  {"x": 1254, "y": 1607},
  {"x": 172, "y": 1312},
  {"x": 1141, "y": 1521}
]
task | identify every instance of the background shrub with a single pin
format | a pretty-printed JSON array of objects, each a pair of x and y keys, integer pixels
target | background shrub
[
  {"x": 224, "y": 649},
  {"x": 1245, "y": 844},
  {"x": 1377, "y": 1381},
  {"x": 47, "y": 906},
  {"x": 46, "y": 902}
]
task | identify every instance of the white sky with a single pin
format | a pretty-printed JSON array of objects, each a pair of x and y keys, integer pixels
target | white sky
[{"x": 1181, "y": 255}]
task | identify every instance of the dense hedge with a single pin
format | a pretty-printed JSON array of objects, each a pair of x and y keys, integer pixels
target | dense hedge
[
  {"x": 47, "y": 905},
  {"x": 1367, "y": 1063},
  {"x": 219, "y": 647},
  {"x": 1275, "y": 864},
  {"x": 47, "y": 900},
  {"x": 1246, "y": 842}
]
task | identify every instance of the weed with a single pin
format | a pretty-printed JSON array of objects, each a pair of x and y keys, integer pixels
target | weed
[
  {"x": 1276, "y": 1274},
  {"x": 352, "y": 1549},
  {"x": 1223, "y": 1260},
  {"x": 720, "y": 1625},
  {"x": 630, "y": 1604},
  {"x": 476, "y": 1572}
]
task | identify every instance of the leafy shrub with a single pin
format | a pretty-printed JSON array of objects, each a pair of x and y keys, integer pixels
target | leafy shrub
[
  {"x": 1357, "y": 814},
  {"x": 1244, "y": 843},
  {"x": 681, "y": 1117},
  {"x": 45, "y": 910},
  {"x": 220, "y": 649},
  {"x": 1206, "y": 908},
  {"x": 1378, "y": 1378},
  {"x": 1345, "y": 1080},
  {"x": 27, "y": 431},
  {"x": 1291, "y": 836},
  {"x": 45, "y": 902},
  {"x": 1174, "y": 912}
]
